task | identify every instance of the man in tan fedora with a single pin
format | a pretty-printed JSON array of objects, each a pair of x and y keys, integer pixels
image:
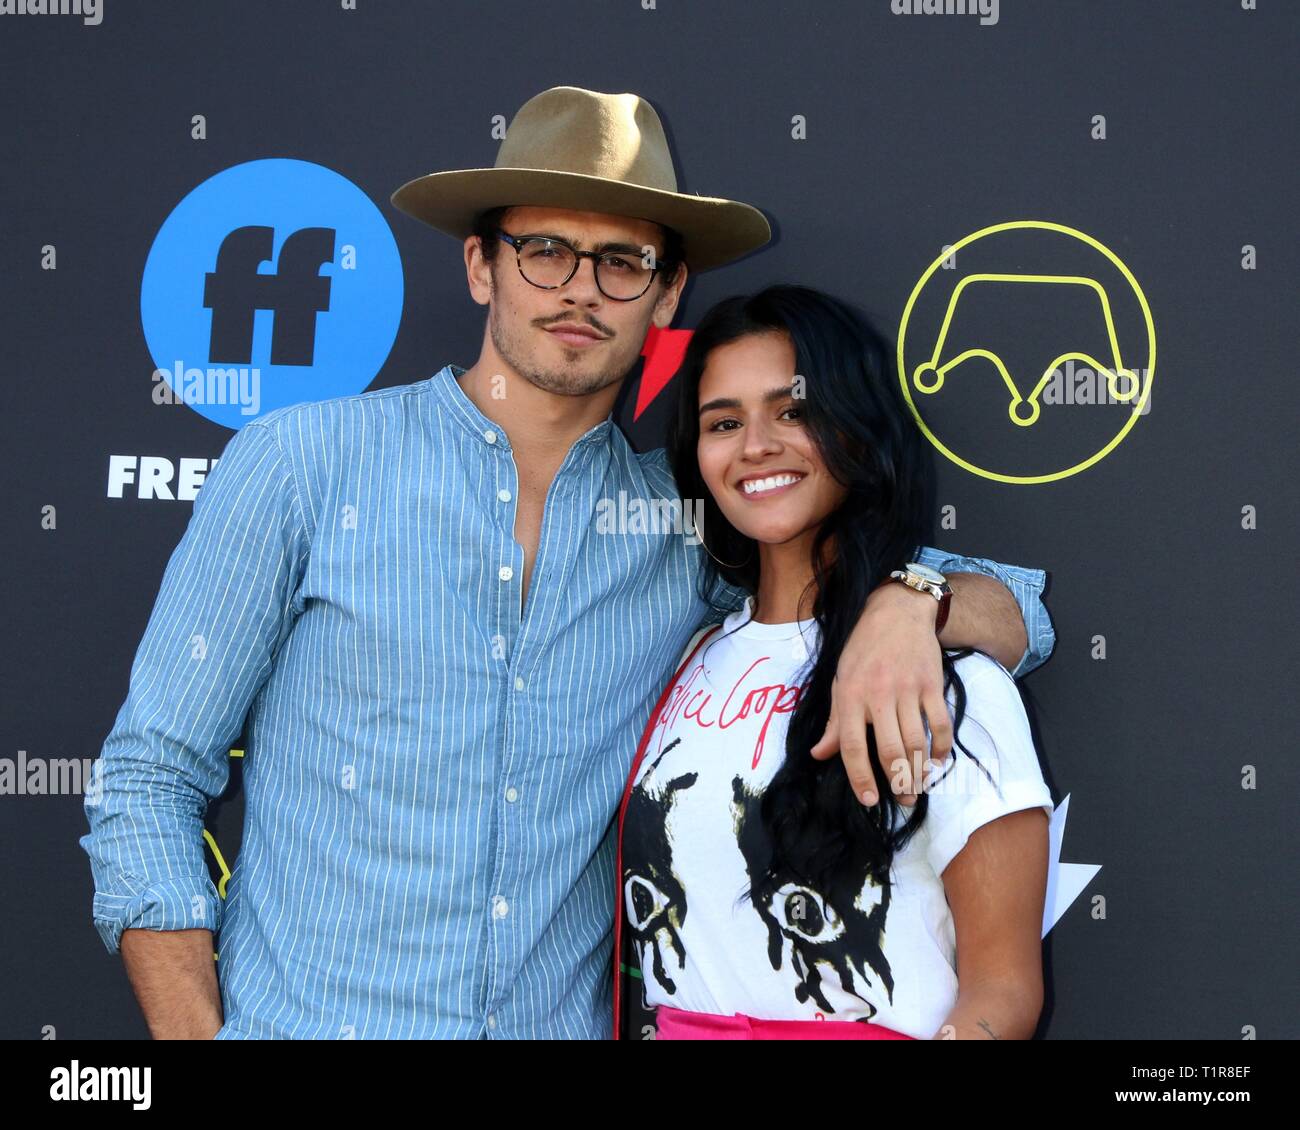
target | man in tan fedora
[{"x": 443, "y": 665}]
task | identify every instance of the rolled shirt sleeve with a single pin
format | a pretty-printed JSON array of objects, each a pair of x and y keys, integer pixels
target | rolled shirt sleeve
[
  {"x": 1026, "y": 586},
  {"x": 225, "y": 605},
  {"x": 724, "y": 599}
]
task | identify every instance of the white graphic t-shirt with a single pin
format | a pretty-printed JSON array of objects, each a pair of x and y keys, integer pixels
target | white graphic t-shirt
[{"x": 692, "y": 829}]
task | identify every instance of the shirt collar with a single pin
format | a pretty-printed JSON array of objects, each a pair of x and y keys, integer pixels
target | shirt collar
[{"x": 446, "y": 384}]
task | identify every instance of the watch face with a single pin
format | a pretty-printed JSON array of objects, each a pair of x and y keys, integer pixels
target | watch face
[{"x": 926, "y": 572}]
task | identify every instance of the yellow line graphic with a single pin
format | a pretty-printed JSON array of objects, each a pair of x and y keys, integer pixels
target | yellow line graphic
[
  {"x": 1137, "y": 397},
  {"x": 1112, "y": 372}
]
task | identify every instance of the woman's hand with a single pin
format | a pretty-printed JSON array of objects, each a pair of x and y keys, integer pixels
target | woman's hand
[{"x": 889, "y": 674}]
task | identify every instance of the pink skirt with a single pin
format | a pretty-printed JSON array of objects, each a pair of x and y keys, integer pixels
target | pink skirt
[{"x": 675, "y": 1024}]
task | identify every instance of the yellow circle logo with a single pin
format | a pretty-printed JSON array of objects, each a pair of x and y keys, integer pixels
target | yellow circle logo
[{"x": 971, "y": 352}]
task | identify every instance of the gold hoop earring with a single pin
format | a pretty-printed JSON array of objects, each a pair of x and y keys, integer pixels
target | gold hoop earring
[{"x": 699, "y": 533}]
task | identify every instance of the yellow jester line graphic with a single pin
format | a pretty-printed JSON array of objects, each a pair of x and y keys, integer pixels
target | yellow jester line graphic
[
  {"x": 210, "y": 840},
  {"x": 221, "y": 862},
  {"x": 1113, "y": 371},
  {"x": 1112, "y": 374},
  {"x": 216, "y": 851}
]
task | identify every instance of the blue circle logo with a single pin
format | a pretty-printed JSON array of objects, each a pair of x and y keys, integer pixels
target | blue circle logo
[{"x": 271, "y": 283}]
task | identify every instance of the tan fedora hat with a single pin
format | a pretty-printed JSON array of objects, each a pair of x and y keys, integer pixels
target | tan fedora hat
[{"x": 574, "y": 148}]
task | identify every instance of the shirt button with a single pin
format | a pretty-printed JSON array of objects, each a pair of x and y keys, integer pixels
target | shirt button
[
  {"x": 490, "y": 436},
  {"x": 492, "y": 1021},
  {"x": 503, "y": 495},
  {"x": 500, "y": 907},
  {"x": 512, "y": 794},
  {"x": 505, "y": 572},
  {"x": 519, "y": 684}
]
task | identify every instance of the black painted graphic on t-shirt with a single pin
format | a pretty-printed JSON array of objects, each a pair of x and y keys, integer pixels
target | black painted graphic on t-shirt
[
  {"x": 653, "y": 894},
  {"x": 820, "y": 929}
]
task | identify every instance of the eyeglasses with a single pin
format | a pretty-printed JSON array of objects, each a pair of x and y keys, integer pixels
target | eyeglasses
[{"x": 550, "y": 263}]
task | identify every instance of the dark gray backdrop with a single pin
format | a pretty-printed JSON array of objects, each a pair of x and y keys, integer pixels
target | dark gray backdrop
[{"x": 919, "y": 131}]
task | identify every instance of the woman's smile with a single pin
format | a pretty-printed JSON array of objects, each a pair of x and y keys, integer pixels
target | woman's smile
[{"x": 761, "y": 486}]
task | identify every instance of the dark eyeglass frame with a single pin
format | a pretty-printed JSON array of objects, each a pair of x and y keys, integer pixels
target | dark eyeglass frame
[{"x": 518, "y": 241}]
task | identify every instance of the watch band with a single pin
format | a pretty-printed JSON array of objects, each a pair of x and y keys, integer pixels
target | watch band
[{"x": 945, "y": 602}]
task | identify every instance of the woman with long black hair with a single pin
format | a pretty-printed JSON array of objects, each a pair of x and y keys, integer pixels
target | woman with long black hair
[{"x": 759, "y": 898}]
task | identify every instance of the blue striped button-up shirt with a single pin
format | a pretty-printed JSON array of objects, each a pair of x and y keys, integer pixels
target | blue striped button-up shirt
[{"x": 429, "y": 777}]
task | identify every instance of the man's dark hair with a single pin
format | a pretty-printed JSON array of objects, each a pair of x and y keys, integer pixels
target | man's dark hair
[{"x": 674, "y": 254}]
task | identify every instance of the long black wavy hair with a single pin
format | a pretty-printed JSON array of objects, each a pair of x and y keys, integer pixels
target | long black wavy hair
[{"x": 863, "y": 429}]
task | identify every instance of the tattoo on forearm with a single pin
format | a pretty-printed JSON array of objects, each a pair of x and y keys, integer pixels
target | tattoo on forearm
[{"x": 992, "y": 1035}]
